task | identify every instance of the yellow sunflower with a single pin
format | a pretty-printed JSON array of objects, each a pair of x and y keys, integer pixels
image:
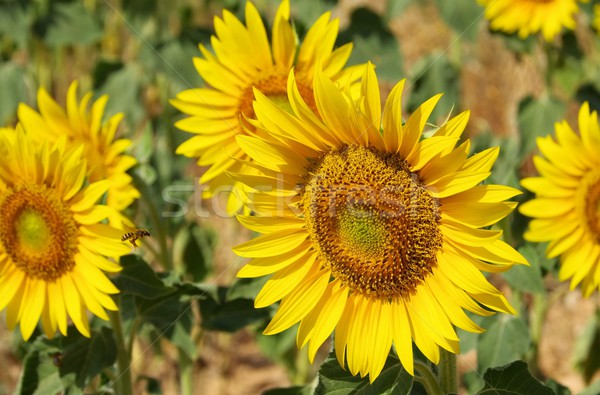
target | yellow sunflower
[
  {"x": 245, "y": 60},
  {"x": 53, "y": 246},
  {"x": 84, "y": 125},
  {"x": 566, "y": 208},
  {"x": 377, "y": 236},
  {"x": 531, "y": 16}
]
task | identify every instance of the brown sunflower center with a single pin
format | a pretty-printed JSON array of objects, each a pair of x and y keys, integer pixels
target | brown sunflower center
[
  {"x": 273, "y": 84},
  {"x": 592, "y": 206},
  {"x": 372, "y": 221},
  {"x": 37, "y": 231}
]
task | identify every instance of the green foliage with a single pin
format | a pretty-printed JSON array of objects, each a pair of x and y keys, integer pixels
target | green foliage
[
  {"x": 66, "y": 363},
  {"x": 506, "y": 339},
  {"x": 527, "y": 278},
  {"x": 333, "y": 379},
  {"x": 462, "y": 15},
  {"x": 512, "y": 379},
  {"x": 537, "y": 118},
  {"x": 72, "y": 23}
]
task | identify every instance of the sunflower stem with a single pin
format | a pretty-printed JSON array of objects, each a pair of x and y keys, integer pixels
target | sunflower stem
[
  {"x": 425, "y": 376},
  {"x": 186, "y": 373},
  {"x": 302, "y": 366},
  {"x": 447, "y": 372},
  {"x": 123, "y": 379}
]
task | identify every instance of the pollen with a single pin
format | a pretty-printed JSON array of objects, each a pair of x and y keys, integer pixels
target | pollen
[
  {"x": 372, "y": 221},
  {"x": 37, "y": 231},
  {"x": 273, "y": 84}
]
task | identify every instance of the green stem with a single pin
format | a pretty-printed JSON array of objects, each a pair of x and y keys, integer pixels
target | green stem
[
  {"x": 425, "y": 376},
  {"x": 186, "y": 373},
  {"x": 447, "y": 372},
  {"x": 302, "y": 367},
  {"x": 123, "y": 379},
  {"x": 540, "y": 306}
]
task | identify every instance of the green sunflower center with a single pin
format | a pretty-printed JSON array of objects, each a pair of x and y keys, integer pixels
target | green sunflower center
[
  {"x": 592, "y": 205},
  {"x": 372, "y": 221},
  {"x": 273, "y": 84},
  {"x": 38, "y": 232}
]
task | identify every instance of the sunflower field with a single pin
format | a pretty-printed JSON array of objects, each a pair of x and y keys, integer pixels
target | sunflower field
[{"x": 289, "y": 197}]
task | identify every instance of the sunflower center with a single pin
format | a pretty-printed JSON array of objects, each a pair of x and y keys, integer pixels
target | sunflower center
[
  {"x": 592, "y": 205},
  {"x": 372, "y": 221},
  {"x": 273, "y": 84},
  {"x": 37, "y": 231}
]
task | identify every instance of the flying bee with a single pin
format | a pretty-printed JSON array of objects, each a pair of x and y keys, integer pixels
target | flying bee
[{"x": 132, "y": 237}]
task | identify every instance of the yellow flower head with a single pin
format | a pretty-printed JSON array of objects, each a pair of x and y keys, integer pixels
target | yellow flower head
[
  {"x": 53, "y": 246},
  {"x": 374, "y": 235},
  {"x": 82, "y": 125},
  {"x": 245, "y": 60},
  {"x": 531, "y": 16},
  {"x": 566, "y": 208}
]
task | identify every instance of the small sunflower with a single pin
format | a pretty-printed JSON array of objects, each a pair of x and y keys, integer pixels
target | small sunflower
[
  {"x": 566, "y": 208},
  {"x": 531, "y": 16},
  {"x": 245, "y": 60},
  {"x": 84, "y": 125},
  {"x": 376, "y": 236},
  {"x": 53, "y": 246}
]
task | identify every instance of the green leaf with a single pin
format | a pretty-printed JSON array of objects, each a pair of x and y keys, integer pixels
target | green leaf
[
  {"x": 72, "y": 23},
  {"x": 335, "y": 380},
  {"x": 373, "y": 42},
  {"x": 163, "y": 313},
  {"x": 15, "y": 22},
  {"x": 177, "y": 64},
  {"x": 527, "y": 278},
  {"x": 593, "y": 389},
  {"x": 193, "y": 249},
  {"x": 462, "y": 15},
  {"x": 557, "y": 387},
  {"x": 12, "y": 91},
  {"x": 247, "y": 288},
  {"x": 512, "y": 379},
  {"x": 506, "y": 339},
  {"x": 86, "y": 357},
  {"x": 297, "y": 390},
  {"x": 230, "y": 315},
  {"x": 124, "y": 90},
  {"x": 39, "y": 375},
  {"x": 435, "y": 74},
  {"x": 280, "y": 347},
  {"x": 536, "y": 118},
  {"x": 137, "y": 278}
]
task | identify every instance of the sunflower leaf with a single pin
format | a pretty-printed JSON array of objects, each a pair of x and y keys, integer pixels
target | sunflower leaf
[
  {"x": 334, "y": 379},
  {"x": 230, "y": 315},
  {"x": 72, "y": 23},
  {"x": 527, "y": 278},
  {"x": 137, "y": 278},
  {"x": 506, "y": 339},
  {"x": 537, "y": 118},
  {"x": 512, "y": 379}
]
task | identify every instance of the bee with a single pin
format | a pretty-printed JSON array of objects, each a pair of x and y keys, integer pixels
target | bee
[{"x": 132, "y": 237}]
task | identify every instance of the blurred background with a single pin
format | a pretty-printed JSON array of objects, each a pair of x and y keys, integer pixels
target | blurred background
[{"x": 140, "y": 52}]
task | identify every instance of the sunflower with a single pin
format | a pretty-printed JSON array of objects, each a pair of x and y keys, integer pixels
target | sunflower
[
  {"x": 531, "y": 16},
  {"x": 376, "y": 236},
  {"x": 566, "y": 207},
  {"x": 84, "y": 125},
  {"x": 244, "y": 60},
  {"x": 53, "y": 246}
]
